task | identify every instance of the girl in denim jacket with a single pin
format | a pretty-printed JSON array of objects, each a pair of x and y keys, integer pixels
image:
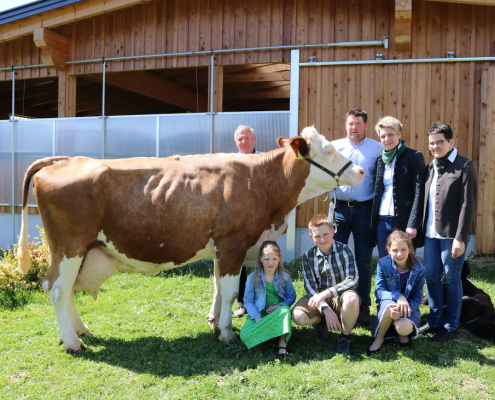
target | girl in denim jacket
[
  {"x": 399, "y": 290},
  {"x": 268, "y": 296}
]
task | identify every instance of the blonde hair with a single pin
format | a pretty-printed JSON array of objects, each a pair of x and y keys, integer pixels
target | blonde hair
[
  {"x": 397, "y": 236},
  {"x": 272, "y": 245},
  {"x": 318, "y": 220},
  {"x": 388, "y": 122}
]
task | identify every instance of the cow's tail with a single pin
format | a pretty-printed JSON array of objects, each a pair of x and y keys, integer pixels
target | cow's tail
[{"x": 23, "y": 255}]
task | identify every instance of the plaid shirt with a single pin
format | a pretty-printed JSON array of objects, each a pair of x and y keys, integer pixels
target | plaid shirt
[{"x": 335, "y": 271}]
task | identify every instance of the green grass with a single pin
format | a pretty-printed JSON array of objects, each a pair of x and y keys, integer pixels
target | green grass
[{"x": 152, "y": 341}]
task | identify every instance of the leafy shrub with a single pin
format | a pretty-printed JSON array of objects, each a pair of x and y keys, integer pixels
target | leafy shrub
[{"x": 11, "y": 280}]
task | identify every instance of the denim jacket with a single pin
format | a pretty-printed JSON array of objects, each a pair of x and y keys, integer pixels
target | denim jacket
[
  {"x": 255, "y": 297},
  {"x": 387, "y": 284}
]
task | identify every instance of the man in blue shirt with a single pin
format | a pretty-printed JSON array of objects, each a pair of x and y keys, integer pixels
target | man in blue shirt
[{"x": 354, "y": 203}]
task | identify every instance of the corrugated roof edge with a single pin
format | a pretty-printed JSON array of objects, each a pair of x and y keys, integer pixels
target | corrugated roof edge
[{"x": 30, "y": 9}]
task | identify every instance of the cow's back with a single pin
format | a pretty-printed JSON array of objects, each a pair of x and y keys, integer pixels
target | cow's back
[{"x": 154, "y": 210}]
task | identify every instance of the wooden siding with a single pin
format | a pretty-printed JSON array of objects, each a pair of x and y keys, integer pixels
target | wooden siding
[{"x": 417, "y": 94}]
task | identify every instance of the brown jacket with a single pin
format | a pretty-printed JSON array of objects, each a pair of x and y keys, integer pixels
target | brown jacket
[{"x": 456, "y": 195}]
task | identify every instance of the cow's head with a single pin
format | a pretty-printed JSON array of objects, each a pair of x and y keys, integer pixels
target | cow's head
[{"x": 314, "y": 146}]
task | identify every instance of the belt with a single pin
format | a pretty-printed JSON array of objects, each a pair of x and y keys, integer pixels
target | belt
[{"x": 352, "y": 203}]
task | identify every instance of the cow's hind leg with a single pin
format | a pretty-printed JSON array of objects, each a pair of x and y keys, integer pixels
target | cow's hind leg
[
  {"x": 60, "y": 295},
  {"x": 229, "y": 285},
  {"x": 214, "y": 314},
  {"x": 80, "y": 328}
]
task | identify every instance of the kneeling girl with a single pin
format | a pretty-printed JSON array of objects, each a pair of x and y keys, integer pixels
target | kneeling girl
[
  {"x": 399, "y": 290},
  {"x": 268, "y": 296}
]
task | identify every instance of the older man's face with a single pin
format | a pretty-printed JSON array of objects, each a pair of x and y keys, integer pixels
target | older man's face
[{"x": 245, "y": 141}]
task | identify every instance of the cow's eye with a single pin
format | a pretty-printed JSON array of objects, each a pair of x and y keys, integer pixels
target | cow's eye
[{"x": 328, "y": 153}]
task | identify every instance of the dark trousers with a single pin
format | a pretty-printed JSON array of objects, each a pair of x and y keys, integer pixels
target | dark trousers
[
  {"x": 358, "y": 221},
  {"x": 242, "y": 285}
]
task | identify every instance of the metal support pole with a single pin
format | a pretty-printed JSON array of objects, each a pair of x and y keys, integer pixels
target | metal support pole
[
  {"x": 104, "y": 65},
  {"x": 13, "y": 94},
  {"x": 103, "y": 118},
  {"x": 157, "y": 137},
  {"x": 212, "y": 88},
  {"x": 293, "y": 130},
  {"x": 212, "y": 78},
  {"x": 14, "y": 133}
]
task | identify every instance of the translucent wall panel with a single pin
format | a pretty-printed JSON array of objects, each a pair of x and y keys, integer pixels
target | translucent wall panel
[
  {"x": 5, "y": 162},
  {"x": 131, "y": 137},
  {"x": 184, "y": 134},
  {"x": 267, "y": 127},
  {"x": 79, "y": 137},
  {"x": 33, "y": 141}
]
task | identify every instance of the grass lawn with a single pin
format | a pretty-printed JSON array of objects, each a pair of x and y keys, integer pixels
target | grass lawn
[{"x": 152, "y": 341}]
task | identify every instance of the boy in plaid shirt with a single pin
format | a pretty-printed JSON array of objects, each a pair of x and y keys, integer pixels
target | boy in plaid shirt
[{"x": 331, "y": 279}]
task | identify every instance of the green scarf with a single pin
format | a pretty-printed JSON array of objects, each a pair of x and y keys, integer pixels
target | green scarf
[{"x": 388, "y": 155}]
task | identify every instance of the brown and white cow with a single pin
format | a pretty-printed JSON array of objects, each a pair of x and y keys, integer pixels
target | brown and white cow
[{"x": 150, "y": 214}]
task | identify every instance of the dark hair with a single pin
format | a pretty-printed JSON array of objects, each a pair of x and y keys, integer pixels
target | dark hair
[
  {"x": 259, "y": 265},
  {"x": 396, "y": 236},
  {"x": 440, "y": 127},
  {"x": 357, "y": 112}
]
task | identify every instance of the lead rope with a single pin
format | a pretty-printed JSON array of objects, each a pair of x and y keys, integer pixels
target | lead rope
[{"x": 335, "y": 227}]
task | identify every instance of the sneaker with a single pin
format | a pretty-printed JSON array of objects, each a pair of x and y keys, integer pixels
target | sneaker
[
  {"x": 344, "y": 346},
  {"x": 321, "y": 332},
  {"x": 364, "y": 317},
  {"x": 445, "y": 334},
  {"x": 240, "y": 311},
  {"x": 426, "y": 329}
]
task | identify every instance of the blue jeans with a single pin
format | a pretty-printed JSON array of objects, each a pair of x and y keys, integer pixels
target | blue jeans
[
  {"x": 384, "y": 227},
  {"x": 358, "y": 221},
  {"x": 438, "y": 259}
]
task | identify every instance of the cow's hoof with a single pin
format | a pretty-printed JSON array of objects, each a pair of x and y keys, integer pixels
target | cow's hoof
[
  {"x": 228, "y": 337},
  {"x": 74, "y": 351},
  {"x": 210, "y": 317},
  {"x": 60, "y": 341}
]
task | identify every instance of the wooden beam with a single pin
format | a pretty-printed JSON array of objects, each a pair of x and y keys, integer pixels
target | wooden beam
[
  {"x": 218, "y": 92},
  {"x": 67, "y": 85},
  {"x": 257, "y": 77},
  {"x": 54, "y": 48},
  {"x": 262, "y": 94},
  {"x": 403, "y": 22},
  {"x": 152, "y": 86}
]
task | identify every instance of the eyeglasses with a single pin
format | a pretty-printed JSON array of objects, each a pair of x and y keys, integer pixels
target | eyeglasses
[{"x": 438, "y": 143}]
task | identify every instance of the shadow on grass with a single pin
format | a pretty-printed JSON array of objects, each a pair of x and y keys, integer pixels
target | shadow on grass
[{"x": 205, "y": 354}]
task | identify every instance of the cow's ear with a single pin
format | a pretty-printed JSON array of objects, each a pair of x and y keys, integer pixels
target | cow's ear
[
  {"x": 298, "y": 144},
  {"x": 283, "y": 141},
  {"x": 300, "y": 147}
]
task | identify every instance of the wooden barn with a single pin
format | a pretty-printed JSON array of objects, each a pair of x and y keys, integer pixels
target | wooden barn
[{"x": 418, "y": 60}]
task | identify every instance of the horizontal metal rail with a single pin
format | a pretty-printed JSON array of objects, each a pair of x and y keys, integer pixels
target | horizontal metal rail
[
  {"x": 383, "y": 42},
  {"x": 397, "y": 61}
]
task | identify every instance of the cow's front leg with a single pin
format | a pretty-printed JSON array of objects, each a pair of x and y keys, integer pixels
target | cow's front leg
[
  {"x": 229, "y": 286},
  {"x": 214, "y": 314},
  {"x": 60, "y": 296}
]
